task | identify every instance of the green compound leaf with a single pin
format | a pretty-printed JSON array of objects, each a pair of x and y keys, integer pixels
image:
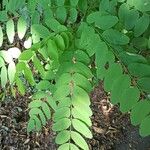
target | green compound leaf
[
  {"x": 141, "y": 25},
  {"x": 61, "y": 124},
  {"x": 10, "y": 30},
  {"x": 3, "y": 76},
  {"x": 123, "y": 82},
  {"x": 142, "y": 106},
  {"x": 81, "y": 128},
  {"x": 62, "y": 137},
  {"x": 115, "y": 37},
  {"x": 21, "y": 27},
  {"x": 129, "y": 98},
  {"x": 78, "y": 139}
]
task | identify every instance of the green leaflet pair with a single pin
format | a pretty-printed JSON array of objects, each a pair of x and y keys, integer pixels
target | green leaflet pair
[{"x": 122, "y": 34}]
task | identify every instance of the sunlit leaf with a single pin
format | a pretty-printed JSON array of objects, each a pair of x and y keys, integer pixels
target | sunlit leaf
[
  {"x": 3, "y": 76},
  {"x": 11, "y": 72},
  {"x": 1, "y": 36},
  {"x": 62, "y": 137},
  {"x": 78, "y": 139},
  {"x": 21, "y": 27},
  {"x": 10, "y": 30}
]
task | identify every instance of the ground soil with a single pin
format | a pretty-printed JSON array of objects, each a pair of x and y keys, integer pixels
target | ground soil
[{"x": 111, "y": 129}]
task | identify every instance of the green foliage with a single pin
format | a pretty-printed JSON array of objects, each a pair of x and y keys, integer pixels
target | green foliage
[
  {"x": 76, "y": 112},
  {"x": 40, "y": 110},
  {"x": 66, "y": 45}
]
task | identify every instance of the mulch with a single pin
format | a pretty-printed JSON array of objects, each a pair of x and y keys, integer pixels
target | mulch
[{"x": 111, "y": 129}]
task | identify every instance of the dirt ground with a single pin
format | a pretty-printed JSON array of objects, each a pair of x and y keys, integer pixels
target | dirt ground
[{"x": 111, "y": 129}]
